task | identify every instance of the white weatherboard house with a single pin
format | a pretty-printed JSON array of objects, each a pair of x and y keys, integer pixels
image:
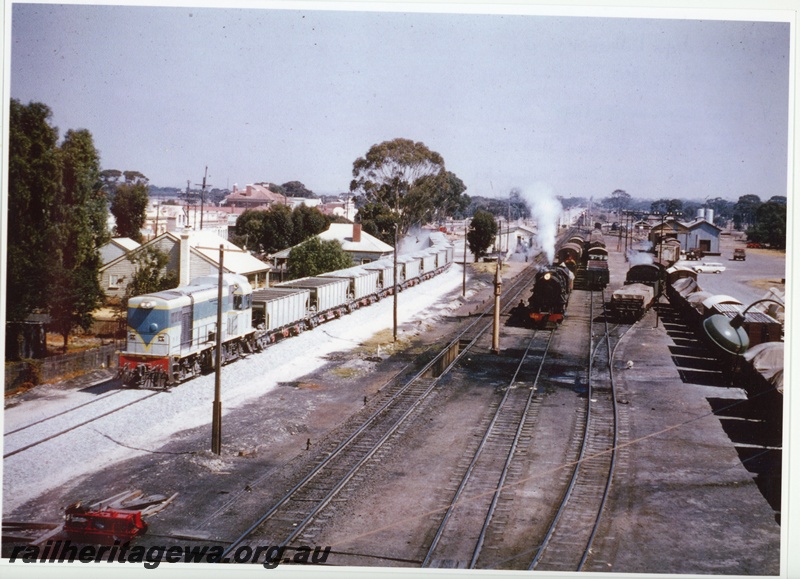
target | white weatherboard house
[
  {"x": 116, "y": 248},
  {"x": 191, "y": 254}
]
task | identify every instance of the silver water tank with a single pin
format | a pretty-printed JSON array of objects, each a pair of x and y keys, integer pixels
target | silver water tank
[{"x": 710, "y": 215}]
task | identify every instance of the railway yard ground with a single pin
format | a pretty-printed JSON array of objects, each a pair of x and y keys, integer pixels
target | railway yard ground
[{"x": 696, "y": 488}]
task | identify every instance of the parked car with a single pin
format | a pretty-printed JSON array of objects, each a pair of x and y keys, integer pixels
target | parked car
[
  {"x": 694, "y": 254},
  {"x": 754, "y": 245},
  {"x": 738, "y": 254},
  {"x": 709, "y": 267}
]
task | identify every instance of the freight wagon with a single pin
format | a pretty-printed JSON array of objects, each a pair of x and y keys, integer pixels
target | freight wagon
[
  {"x": 280, "y": 312},
  {"x": 631, "y": 302},
  {"x": 363, "y": 284},
  {"x": 328, "y": 296}
]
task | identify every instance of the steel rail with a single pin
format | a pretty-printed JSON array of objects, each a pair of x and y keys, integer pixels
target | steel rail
[
  {"x": 67, "y": 411},
  {"x": 517, "y": 287},
  {"x": 84, "y": 423},
  {"x": 482, "y": 444},
  {"x": 615, "y": 444},
  {"x": 512, "y": 451},
  {"x": 582, "y": 454}
]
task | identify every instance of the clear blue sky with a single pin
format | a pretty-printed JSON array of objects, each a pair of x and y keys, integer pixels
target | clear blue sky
[{"x": 658, "y": 107}]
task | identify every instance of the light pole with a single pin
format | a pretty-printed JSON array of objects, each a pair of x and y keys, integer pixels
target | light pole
[{"x": 728, "y": 334}]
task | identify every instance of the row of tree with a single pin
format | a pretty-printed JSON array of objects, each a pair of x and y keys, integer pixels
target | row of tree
[
  {"x": 763, "y": 221},
  {"x": 57, "y": 213},
  {"x": 742, "y": 213}
]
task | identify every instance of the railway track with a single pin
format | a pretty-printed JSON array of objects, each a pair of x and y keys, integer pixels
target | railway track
[
  {"x": 345, "y": 462},
  {"x": 568, "y": 542},
  {"x": 464, "y": 526},
  {"x": 46, "y": 429}
]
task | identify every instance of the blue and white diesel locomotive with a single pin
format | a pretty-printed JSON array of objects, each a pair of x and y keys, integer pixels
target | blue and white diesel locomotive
[{"x": 172, "y": 334}]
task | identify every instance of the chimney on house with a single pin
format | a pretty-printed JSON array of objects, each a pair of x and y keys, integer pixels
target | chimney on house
[
  {"x": 184, "y": 257},
  {"x": 356, "y": 232}
]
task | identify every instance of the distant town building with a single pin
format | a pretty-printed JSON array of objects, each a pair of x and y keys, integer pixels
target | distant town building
[
  {"x": 696, "y": 234},
  {"x": 161, "y": 219},
  {"x": 307, "y": 201},
  {"x": 344, "y": 208},
  {"x": 514, "y": 238},
  {"x": 255, "y": 196}
]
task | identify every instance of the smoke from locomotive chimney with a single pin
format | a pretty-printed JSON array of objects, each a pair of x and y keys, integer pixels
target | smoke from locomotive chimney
[{"x": 546, "y": 209}]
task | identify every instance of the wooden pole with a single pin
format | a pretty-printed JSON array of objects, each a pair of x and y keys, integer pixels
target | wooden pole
[
  {"x": 394, "y": 293},
  {"x": 464, "y": 274},
  {"x": 216, "y": 419},
  {"x": 496, "y": 333}
]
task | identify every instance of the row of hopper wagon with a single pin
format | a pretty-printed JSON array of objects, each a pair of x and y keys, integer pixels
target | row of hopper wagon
[{"x": 291, "y": 307}]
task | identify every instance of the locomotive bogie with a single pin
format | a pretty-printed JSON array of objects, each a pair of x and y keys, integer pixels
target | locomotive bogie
[{"x": 546, "y": 320}]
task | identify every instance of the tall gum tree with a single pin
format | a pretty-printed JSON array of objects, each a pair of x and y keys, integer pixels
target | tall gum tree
[{"x": 398, "y": 175}]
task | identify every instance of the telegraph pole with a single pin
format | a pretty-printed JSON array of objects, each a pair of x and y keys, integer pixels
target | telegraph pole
[
  {"x": 203, "y": 198},
  {"x": 216, "y": 419}
]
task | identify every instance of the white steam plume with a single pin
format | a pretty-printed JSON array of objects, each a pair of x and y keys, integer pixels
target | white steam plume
[
  {"x": 639, "y": 258},
  {"x": 417, "y": 239},
  {"x": 546, "y": 210}
]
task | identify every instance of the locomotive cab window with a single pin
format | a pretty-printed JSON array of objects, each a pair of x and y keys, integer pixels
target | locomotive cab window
[{"x": 241, "y": 302}]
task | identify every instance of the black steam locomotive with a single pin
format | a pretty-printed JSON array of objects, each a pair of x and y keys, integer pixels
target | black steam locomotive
[{"x": 550, "y": 295}]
